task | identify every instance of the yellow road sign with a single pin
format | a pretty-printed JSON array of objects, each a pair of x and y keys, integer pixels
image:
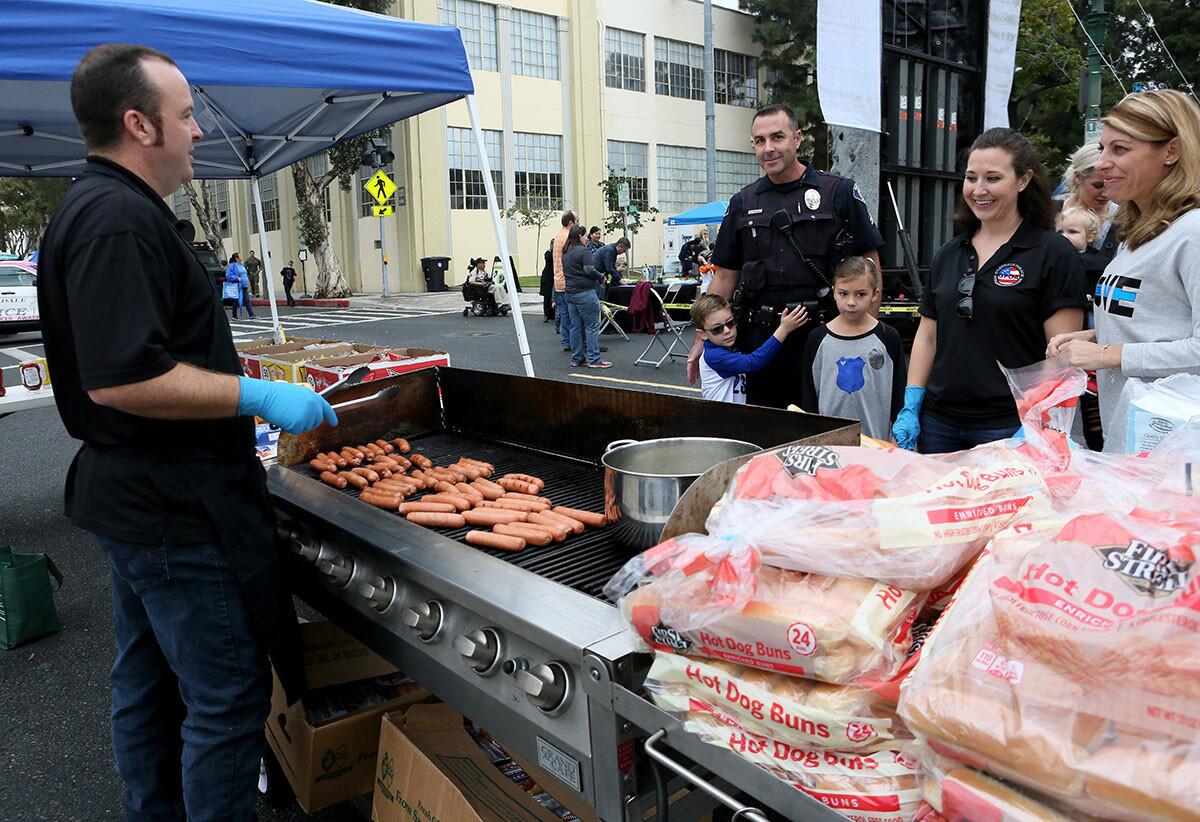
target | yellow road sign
[
  {"x": 380, "y": 187},
  {"x": 381, "y": 211}
]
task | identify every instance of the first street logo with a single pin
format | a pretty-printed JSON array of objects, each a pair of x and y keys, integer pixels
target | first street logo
[
  {"x": 807, "y": 459},
  {"x": 670, "y": 637},
  {"x": 1146, "y": 569}
]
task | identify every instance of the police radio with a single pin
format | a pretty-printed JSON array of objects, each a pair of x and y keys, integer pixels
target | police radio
[{"x": 781, "y": 221}]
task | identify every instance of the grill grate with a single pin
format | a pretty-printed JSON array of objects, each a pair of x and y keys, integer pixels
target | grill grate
[{"x": 584, "y": 562}]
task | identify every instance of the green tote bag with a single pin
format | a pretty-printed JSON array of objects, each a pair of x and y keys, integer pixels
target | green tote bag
[{"x": 26, "y": 597}]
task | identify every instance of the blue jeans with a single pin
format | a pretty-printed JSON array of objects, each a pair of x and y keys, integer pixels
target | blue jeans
[
  {"x": 584, "y": 310},
  {"x": 191, "y": 684},
  {"x": 564, "y": 317},
  {"x": 246, "y": 303},
  {"x": 941, "y": 437}
]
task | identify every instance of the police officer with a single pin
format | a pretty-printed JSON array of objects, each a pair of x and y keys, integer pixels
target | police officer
[{"x": 780, "y": 239}]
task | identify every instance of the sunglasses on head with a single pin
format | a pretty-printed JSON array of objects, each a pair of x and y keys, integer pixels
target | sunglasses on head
[
  {"x": 966, "y": 306},
  {"x": 717, "y": 329}
]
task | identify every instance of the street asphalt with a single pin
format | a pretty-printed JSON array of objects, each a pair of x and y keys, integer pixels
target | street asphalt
[{"x": 55, "y": 757}]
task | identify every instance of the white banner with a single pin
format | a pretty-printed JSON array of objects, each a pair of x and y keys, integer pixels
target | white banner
[
  {"x": 849, "y": 61},
  {"x": 1004, "y": 19}
]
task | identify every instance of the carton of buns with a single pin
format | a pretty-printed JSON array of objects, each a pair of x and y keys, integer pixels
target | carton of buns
[
  {"x": 694, "y": 599},
  {"x": 1069, "y": 664}
]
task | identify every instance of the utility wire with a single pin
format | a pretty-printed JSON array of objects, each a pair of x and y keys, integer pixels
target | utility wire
[
  {"x": 1170, "y": 56},
  {"x": 1088, "y": 35}
]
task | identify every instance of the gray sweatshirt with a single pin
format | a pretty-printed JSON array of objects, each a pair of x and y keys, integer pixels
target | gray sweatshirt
[{"x": 1148, "y": 300}]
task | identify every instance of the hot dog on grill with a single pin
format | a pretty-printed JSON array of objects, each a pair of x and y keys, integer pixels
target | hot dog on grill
[
  {"x": 513, "y": 484},
  {"x": 317, "y": 464},
  {"x": 492, "y": 516},
  {"x": 488, "y": 488},
  {"x": 387, "y": 501},
  {"x": 402, "y": 445},
  {"x": 421, "y": 460},
  {"x": 574, "y": 525},
  {"x": 532, "y": 537},
  {"x": 355, "y": 480},
  {"x": 370, "y": 474},
  {"x": 427, "y": 508},
  {"x": 457, "y": 500},
  {"x": 471, "y": 472},
  {"x": 436, "y": 520},
  {"x": 530, "y": 497},
  {"x": 529, "y": 478},
  {"x": 336, "y": 458},
  {"x": 555, "y": 534},
  {"x": 590, "y": 518},
  {"x": 336, "y": 480},
  {"x": 469, "y": 491},
  {"x": 487, "y": 539},
  {"x": 386, "y": 446}
]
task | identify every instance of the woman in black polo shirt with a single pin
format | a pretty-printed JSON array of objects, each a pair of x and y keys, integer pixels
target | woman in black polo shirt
[{"x": 997, "y": 292}]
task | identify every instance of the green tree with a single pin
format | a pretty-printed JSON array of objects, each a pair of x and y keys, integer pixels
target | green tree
[
  {"x": 26, "y": 206},
  {"x": 534, "y": 211},
  {"x": 1135, "y": 50},
  {"x": 310, "y": 191}
]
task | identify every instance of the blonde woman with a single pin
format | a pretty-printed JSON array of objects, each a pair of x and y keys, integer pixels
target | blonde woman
[
  {"x": 1084, "y": 188},
  {"x": 1148, "y": 299}
]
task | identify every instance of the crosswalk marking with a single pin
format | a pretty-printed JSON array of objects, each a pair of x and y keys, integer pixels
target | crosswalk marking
[{"x": 261, "y": 323}]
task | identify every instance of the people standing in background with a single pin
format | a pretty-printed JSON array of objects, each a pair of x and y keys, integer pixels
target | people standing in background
[
  {"x": 288, "y": 273},
  {"x": 234, "y": 272},
  {"x": 1002, "y": 287},
  {"x": 546, "y": 286},
  {"x": 563, "y": 323},
  {"x": 254, "y": 268},
  {"x": 247, "y": 299},
  {"x": 595, "y": 239},
  {"x": 606, "y": 260},
  {"x": 689, "y": 258},
  {"x": 1084, "y": 188},
  {"x": 581, "y": 278}
]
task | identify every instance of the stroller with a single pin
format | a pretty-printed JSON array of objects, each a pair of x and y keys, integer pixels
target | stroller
[{"x": 480, "y": 301}]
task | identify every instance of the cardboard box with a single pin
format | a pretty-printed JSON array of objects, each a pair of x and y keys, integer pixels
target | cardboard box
[
  {"x": 430, "y": 768},
  {"x": 389, "y": 362},
  {"x": 290, "y": 366},
  {"x": 334, "y": 760},
  {"x": 250, "y": 351}
]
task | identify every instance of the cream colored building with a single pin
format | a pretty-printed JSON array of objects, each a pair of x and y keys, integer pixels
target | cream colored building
[{"x": 565, "y": 89}]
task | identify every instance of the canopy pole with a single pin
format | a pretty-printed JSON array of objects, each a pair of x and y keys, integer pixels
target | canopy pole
[
  {"x": 266, "y": 260},
  {"x": 498, "y": 228}
]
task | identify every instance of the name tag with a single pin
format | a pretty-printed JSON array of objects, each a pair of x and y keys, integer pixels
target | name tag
[{"x": 754, "y": 211}]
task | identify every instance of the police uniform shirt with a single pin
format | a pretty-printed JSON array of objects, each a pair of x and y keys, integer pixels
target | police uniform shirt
[
  {"x": 847, "y": 204},
  {"x": 1036, "y": 273},
  {"x": 124, "y": 299}
]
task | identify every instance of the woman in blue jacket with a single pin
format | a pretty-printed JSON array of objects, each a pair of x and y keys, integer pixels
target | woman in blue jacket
[{"x": 235, "y": 274}]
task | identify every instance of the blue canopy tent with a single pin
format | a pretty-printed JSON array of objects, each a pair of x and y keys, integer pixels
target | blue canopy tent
[
  {"x": 274, "y": 82},
  {"x": 707, "y": 214}
]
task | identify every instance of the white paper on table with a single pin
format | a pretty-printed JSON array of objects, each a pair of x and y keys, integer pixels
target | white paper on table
[
  {"x": 1004, "y": 19},
  {"x": 849, "y": 62}
]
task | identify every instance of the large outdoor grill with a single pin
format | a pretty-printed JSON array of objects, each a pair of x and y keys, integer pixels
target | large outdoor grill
[{"x": 523, "y": 644}]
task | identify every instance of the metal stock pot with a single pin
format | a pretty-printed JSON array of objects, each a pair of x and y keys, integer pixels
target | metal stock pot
[{"x": 643, "y": 480}]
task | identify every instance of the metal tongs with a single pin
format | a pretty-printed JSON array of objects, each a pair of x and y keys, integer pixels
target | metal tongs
[{"x": 354, "y": 378}]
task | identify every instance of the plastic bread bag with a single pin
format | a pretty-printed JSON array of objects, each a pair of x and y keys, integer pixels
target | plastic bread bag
[
  {"x": 706, "y": 597},
  {"x": 1047, "y": 398},
  {"x": 1069, "y": 664},
  {"x": 960, "y": 794},
  {"x": 1148, "y": 411},
  {"x": 796, "y": 712},
  {"x": 904, "y": 519},
  {"x": 865, "y": 786}
]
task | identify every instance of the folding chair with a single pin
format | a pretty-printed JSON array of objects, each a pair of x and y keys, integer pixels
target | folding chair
[
  {"x": 667, "y": 326},
  {"x": 608, "y": 313}
]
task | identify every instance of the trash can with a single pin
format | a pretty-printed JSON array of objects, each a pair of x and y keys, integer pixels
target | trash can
[{"x": 434, "y": 269}]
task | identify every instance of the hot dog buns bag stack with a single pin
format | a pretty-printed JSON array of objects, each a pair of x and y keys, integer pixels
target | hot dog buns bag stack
[{"x": 1069, "y": 663}]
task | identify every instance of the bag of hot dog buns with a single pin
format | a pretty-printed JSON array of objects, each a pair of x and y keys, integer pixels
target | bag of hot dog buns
[
  {"x": 890, "y": 515},
  {"x": 799, "y": 712},
  {"x": 862, "y": 785},
  {"x": 956, "y": 793},
  {"x": 1069, "y": 662},
  {"x": 705, "y": 597}
]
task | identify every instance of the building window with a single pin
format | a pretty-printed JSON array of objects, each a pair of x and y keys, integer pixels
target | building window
[
  {"x": 735, "y": 170},
  {"x": 681, "y": 178},
  {"x": 270, "y": 203},
  {"x": 678, "y": 69},
  {"x": 629, "y": 160},
  {"x": 534, "y": 44},
  {"x": 180, "y": 203},
  {"x": 318, "y": 167},
  {"x": 466, "y": 175},
  {"x": 735, "y": 79},
  {"x": 538, "y": 161},
  {"x": 366, "y": 201},
  {"x": 477, "y": 23},
  {"x": 624, "y": 60},
  {"x": 220, "y": 195}
]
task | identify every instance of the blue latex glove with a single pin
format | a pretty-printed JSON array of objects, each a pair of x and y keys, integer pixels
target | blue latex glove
[
  {"x": 294, "y": 408},
  {"x": 907, "y": 426}
]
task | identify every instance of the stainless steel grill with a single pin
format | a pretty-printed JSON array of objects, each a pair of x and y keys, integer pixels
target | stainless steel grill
[{"x": 521, "y": 643}]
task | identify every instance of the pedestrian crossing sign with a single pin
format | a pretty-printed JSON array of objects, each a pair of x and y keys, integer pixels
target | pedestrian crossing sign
[
  {"x": 381, "y": 211},
  {"x": 380, "y": 187}
]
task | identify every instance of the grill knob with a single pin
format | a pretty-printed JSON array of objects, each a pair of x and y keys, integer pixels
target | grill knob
[
  {"x": 546, "y": 686},
  {"x": 425, "y": 618},
  {"x": 479, "y": 649},
  {"x": 380, "y": 591},
  {"x": 337, "y": 568}
]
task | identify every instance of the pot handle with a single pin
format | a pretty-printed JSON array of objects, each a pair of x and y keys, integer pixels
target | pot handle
[{"x": 618, "y": 444}]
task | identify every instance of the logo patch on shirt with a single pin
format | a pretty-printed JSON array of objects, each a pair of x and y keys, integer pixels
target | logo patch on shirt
[
  {"x": 1117, "y": 294},
  {"x": 875, "y": 358},
  {"x": 812, "y": 199},
  {"x": 857, "y": 194},
  {"x": 850, "y": 374},
  {"x": 1008, "y": 275}
]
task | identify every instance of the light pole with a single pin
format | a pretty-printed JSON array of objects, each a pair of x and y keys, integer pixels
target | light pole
[
  {"x": 1097, "y": 26},
  {"x": 302, "y": 255}
]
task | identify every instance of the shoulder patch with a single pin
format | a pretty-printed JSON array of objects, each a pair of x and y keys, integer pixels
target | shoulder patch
[{"x": 857, "y": 194}]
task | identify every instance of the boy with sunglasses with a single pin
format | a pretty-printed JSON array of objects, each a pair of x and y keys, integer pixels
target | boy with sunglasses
[{"x": 722, "y": 369}]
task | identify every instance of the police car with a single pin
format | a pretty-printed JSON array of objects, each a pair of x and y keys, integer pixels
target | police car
[{"x": 18, "y": 297}]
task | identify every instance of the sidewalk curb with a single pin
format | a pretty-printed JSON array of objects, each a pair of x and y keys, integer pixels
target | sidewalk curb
[{"x": 309, "y": 302}]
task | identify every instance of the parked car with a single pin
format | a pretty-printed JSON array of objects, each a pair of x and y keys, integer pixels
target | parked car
[
  {"x": 18, "y": 297},
  {"x": 212, "y": 264}
]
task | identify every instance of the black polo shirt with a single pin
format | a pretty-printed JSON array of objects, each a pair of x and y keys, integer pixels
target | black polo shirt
[
  {"x": 848, "y": 204},
  {"x": 1033, "y": 275},
  {"x": 123, "y": 299}
]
